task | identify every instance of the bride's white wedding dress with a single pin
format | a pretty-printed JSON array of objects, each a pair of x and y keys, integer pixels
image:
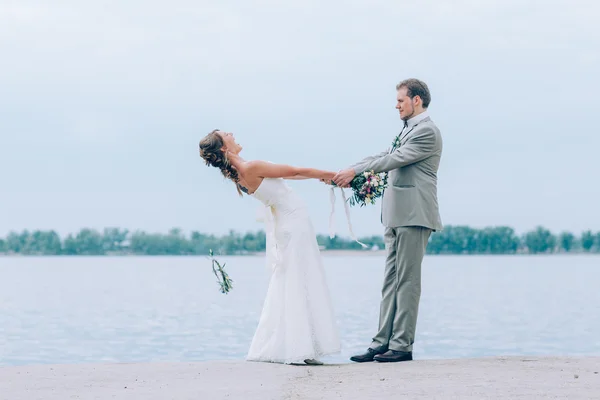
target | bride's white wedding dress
[{"x": 297, "y": 321}]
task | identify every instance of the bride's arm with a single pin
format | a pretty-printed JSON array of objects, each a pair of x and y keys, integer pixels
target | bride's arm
[
  {"x": 269, "y": 170},
  {"x": 296, "y": 178}
]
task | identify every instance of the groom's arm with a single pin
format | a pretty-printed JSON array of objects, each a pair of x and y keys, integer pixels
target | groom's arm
[
  {"x": 370, "y": 158},
  {"x": 418, "y": 147}
]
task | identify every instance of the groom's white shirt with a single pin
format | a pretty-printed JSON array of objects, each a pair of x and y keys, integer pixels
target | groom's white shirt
[{"x": 416, "y": 119}]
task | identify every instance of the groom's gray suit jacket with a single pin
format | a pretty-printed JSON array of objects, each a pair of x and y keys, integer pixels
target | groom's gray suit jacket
[{"x": 410, "y": 198}]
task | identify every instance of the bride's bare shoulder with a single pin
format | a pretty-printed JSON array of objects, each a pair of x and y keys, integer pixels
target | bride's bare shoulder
[
  {"x": 255, "y": 164},
  {"x": 250, "y": 168}
]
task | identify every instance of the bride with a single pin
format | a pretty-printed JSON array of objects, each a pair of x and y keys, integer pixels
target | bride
[{"x": 297, "y": 322}]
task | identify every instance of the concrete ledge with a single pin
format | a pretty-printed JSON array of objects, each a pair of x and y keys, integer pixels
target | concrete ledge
[{"x": 483, "y": 378}]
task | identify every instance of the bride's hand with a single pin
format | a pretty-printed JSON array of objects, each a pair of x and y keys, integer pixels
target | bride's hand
[
  {"x": 327, "y": 177},
  {"x": 344, "y": 177}
]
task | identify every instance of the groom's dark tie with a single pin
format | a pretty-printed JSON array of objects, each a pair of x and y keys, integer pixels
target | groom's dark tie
[{"x": 404, "y": 128}]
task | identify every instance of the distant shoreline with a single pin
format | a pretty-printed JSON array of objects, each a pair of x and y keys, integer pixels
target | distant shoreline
[{"x": 451, "y": 240}]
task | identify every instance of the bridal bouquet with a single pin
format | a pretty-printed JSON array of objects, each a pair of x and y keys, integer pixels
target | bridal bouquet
[
  {"x": 367, "y": 187},
  {"x": 223, "y": 279}
]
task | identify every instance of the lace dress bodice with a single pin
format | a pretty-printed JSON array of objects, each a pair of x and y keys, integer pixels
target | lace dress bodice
[{"x": 276, "y": 194}]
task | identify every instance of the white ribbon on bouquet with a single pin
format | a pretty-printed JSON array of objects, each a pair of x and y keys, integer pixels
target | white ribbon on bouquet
[{"x": 347, "y": 210}]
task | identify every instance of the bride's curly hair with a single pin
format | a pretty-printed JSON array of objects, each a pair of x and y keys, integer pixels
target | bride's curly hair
[{"x": 211, "y": 152}]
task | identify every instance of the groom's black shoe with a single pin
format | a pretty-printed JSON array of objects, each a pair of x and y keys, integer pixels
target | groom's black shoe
[
  {"x": 394, "y": 356},
  {"x": 369, "y": 355}
]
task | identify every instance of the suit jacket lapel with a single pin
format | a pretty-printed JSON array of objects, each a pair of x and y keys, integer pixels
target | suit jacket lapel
[
  {"x": 404, "y": 135},
  {"x": 409, "y": 130}
]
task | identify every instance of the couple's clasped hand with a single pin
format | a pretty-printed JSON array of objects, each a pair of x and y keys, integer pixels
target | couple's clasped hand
[{"x": 342, "y": 178}]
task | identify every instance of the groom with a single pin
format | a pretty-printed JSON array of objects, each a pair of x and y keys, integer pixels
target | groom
[{"x": 409, "y": 213}]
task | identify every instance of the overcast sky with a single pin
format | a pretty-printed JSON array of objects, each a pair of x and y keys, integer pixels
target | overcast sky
[{"x": 102, "y": 105}]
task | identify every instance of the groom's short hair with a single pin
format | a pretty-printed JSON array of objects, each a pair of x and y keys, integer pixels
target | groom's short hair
[{"x": 415, "y": 87}]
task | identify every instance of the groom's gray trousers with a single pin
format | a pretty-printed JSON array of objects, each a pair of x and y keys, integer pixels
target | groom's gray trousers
[{"x": 401, "y": 291}]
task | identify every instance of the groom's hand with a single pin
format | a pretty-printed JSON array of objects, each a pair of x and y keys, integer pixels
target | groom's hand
[{"x": 344, "y": 177}]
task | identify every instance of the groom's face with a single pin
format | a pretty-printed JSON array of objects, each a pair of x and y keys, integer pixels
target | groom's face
[{"x": 405, "y": 104}]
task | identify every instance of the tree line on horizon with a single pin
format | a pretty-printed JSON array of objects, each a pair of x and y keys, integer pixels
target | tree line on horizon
[{"x": 452, "y": 240}]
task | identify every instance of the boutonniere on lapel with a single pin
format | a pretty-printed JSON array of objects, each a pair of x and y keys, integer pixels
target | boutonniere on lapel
[
  {"x": 402, "y": 135},
  {"x": 396, "y": 143}
]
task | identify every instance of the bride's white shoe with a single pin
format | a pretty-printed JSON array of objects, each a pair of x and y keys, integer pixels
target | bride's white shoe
[{"x": 312, "y": 361}]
